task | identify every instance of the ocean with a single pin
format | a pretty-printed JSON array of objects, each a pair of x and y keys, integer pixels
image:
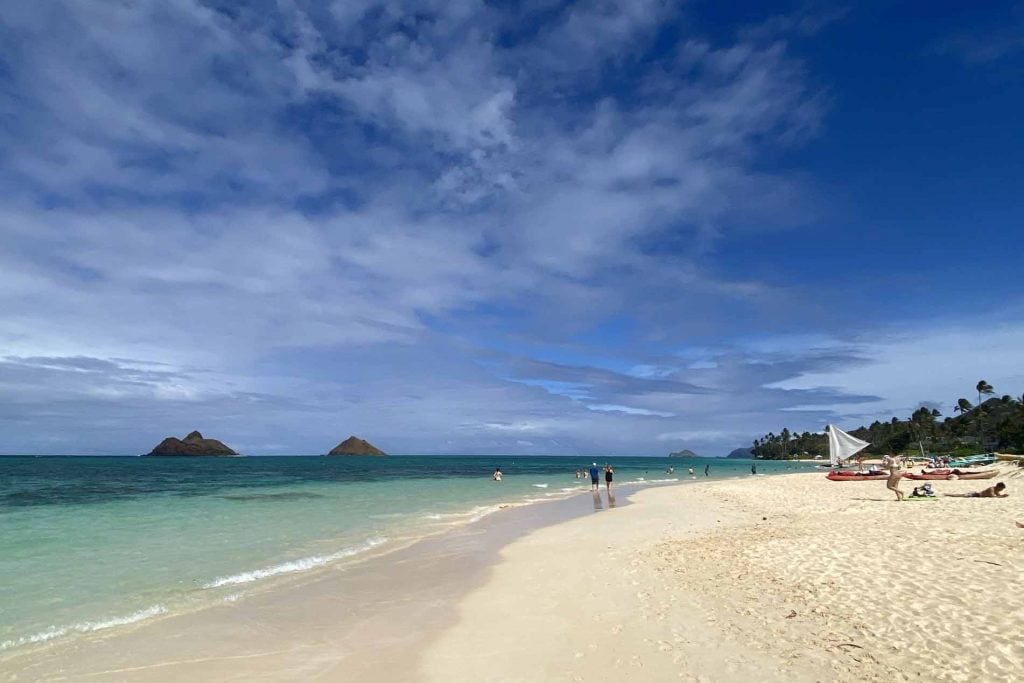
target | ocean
[{"x": 95, "y": 543}]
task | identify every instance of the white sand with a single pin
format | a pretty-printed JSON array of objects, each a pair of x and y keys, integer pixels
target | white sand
[{"x": 840, "y": 583}]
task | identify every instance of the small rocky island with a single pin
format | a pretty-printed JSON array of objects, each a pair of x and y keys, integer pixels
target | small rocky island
[
  {"x": 685, "y": 453},
  {"x": 193, "y": 444},
  {"x": 356, "y": 446}
]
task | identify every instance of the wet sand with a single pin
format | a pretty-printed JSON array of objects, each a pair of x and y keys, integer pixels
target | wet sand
[{"x": 360, "y": 621}]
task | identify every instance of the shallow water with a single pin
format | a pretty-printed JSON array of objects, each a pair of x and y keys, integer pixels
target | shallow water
[{"x": 91, "y": 543}]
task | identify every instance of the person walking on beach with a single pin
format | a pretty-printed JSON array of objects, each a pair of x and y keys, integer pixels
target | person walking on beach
[
  {"x": 608, "y": 474},
  {"x": 893, "y": 483},
  {"x": 594, "y": 472}
]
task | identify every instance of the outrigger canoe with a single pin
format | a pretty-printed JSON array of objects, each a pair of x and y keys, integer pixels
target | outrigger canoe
[
  {"x": 857, "y": 476},
  {"x": 947, "y": 474}
]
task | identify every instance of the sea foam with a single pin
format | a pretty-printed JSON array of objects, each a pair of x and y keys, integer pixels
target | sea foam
[
  {"x": 301, "y": 565},
  {"x": 84, "y": 627}
]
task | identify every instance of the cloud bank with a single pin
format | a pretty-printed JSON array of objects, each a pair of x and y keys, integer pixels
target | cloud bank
[{"x": 447, "y": 227}]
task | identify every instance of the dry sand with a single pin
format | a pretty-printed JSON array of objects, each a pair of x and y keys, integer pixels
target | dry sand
[
  {"x": 838, "y": 583},
  {"x": 781, "y": 578}
]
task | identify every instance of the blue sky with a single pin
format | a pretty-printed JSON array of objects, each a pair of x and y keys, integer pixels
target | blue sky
[{"x": 471, "y": 227}]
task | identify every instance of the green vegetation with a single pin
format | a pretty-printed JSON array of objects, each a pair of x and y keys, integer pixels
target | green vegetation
[{"x": 994, "y": 424}]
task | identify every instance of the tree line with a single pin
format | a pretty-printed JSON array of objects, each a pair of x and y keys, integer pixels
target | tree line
[{"x": 991, "y": 424}]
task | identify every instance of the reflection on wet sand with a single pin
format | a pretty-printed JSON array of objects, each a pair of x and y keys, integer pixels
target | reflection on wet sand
[
  {"x": 597, "y": 500},
  {"x": 611, "y": 499}
]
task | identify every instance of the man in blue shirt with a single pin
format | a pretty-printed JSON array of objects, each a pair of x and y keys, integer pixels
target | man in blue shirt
[{"x": 594, "y": 473}]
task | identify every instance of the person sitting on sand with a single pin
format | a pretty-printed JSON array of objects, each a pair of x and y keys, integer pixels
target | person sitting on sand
[{"x": 923, "y": 492}]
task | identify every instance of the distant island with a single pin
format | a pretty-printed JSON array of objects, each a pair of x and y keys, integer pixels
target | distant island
[
  {"x": 193, "y": 444},
  {"x": 356, "y": 446},
  {"x": 685, "y": 453},
  {"x": 746, "y": 453}
]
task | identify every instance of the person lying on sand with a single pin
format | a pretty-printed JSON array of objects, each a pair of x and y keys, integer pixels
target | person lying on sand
[{"x": 991, "y": 492}]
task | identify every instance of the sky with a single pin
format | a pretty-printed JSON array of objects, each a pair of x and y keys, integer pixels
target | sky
[{"x": 618, "y": 227}]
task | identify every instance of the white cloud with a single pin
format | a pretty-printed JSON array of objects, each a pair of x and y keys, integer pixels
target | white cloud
[
  {"x": 322, "y": 216},
  {"x": 934, "y": 364}
]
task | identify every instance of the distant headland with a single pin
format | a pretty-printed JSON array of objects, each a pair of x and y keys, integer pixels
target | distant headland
[
  {"x": 685, "y": 453},
  {"x": 355, "y": 446},
  {"x": 193, "y": 444}
]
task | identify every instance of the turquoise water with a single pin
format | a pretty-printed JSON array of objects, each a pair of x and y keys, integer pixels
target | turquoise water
[{"x": 91, "y": 543}]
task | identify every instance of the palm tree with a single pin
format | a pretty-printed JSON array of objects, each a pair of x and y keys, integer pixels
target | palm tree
[
  {"x": 963, "y": 406},
  {"x": 983, "y": 388}
]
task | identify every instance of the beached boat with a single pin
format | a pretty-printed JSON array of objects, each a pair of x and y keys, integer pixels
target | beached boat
[
  {"x": 973, "y": 460},
  {"x": 857, "y": 476},
  {"x": 842, "y": 447},
  {"x": 963, "y": 474}
]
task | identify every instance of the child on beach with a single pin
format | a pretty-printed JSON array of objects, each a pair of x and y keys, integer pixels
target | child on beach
[{"x": 923, "y": 492}]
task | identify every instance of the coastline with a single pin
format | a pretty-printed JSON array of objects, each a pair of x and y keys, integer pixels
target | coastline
[
  {"x": 334, "y": 621},
  {"x": 754, "y": 578}
]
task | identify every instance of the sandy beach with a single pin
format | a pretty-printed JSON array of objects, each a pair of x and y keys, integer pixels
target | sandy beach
[{"x": 789, "y": 577}]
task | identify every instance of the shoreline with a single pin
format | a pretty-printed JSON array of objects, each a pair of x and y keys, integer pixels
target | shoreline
[
  {"x": 458, "y": 557},
  {"x": 287, "y": 572},
  {"x": 749, "y": 578}
]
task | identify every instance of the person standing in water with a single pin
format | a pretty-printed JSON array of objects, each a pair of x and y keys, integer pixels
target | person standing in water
[
  {"x": 707, "y": 470},
  {"x": 893, "y": 483},
  {"x": 753, "y": 468},
  {"x": 497, "y": 474},
  {"x": 608, "y": 474},
  {"x": 594, "y": 472}
]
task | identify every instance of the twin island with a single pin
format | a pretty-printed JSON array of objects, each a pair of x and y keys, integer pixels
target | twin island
[{"x": 196, "y": 444}]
